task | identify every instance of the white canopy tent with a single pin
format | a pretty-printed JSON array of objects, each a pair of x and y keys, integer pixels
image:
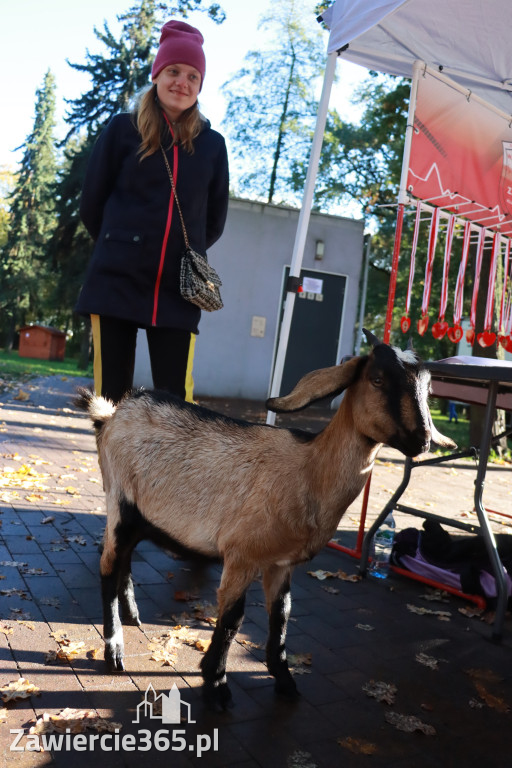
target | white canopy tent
[{"x": 469, "y": 42}]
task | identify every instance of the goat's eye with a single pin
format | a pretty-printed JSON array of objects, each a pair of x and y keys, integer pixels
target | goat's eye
[{"x": 377, "y": 381}]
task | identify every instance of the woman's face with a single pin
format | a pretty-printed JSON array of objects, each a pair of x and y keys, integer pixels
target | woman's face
[{"x": 177, "y": 87}]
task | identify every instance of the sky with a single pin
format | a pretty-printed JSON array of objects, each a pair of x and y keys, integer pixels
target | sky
[{"x": 37, "y": 35}]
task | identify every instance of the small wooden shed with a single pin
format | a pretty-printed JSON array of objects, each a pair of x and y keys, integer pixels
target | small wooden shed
[{"x": 42, "y": 342}]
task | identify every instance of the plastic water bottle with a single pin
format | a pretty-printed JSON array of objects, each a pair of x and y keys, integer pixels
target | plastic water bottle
[{"x": 382, "y": 546}]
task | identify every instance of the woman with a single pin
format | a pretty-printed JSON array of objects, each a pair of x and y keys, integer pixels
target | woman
[{"x": 129, "y": 209}]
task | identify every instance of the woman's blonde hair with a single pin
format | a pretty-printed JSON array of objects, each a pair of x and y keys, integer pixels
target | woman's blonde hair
[{"x": 150, "y": 120}]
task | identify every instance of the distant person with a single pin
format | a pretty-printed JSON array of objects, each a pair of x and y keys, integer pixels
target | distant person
[
  {"x": 129, "y": 210},
  {"x": 452, "y": 412}
]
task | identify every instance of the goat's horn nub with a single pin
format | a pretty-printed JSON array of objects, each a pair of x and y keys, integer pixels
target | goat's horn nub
[{"x": 371, "y": 338}]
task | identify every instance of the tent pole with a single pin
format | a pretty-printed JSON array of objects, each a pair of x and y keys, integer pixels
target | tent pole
[
  {"x": 302, "y": 227},
  {"x": 403, "y": 197}
]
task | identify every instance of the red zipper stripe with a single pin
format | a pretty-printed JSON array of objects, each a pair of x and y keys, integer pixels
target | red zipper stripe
[{"x": 166, "y": 238}]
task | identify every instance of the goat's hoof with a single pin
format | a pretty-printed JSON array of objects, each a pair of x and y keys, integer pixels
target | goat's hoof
[
  {"x": 217, "y": 698},
  {"x": 286, "y": 688},
  {"x": 114, "y": 657}
]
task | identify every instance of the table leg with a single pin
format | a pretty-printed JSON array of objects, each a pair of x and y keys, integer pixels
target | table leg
[{"x": 490, "y": 541}]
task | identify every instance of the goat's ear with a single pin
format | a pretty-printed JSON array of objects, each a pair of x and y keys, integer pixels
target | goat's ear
[{"x": 326, "y": 382}]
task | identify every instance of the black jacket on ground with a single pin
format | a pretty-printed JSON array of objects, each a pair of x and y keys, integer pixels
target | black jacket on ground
[{"x": 125, "y": 205}]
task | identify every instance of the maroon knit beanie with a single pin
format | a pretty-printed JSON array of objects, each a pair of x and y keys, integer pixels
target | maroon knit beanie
[{"x": 180, "y": 44}]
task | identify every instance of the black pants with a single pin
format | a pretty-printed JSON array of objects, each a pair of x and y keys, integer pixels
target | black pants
[{"x": 171, "y": 352}]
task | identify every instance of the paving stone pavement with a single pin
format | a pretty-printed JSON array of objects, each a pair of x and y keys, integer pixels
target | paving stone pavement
[{"x": 447, "y": 673}]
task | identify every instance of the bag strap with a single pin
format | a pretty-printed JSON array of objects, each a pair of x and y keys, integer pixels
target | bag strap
[{"x": 185, "y": 236}]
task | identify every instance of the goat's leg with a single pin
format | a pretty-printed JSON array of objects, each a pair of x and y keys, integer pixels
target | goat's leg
[
  {"x": 112, "y": 629},
  {"x": 126, "y": 593},
  {"x": 231, "y": 602},
  {"x": 276, "y": 583}
]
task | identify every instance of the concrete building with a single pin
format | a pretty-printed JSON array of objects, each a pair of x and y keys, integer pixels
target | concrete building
[{"x": 236, "y": 346}]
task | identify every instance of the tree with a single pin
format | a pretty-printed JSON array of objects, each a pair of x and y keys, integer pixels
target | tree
[
  {"x": 117, "y": 74},
  {"x": 271, "y": 105},
  {"x": 24, "y": 269}
]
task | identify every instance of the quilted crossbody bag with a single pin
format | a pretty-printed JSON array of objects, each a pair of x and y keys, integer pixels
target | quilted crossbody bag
[{"x": 199, "y": 282}]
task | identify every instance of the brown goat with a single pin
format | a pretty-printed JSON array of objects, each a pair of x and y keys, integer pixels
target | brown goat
[{"x": 260, "y": 498}]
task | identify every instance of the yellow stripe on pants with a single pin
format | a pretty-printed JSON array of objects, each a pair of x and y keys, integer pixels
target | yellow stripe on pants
[
  {"x": 189, "y": 381},
  {"x": 96, "y": 340}
]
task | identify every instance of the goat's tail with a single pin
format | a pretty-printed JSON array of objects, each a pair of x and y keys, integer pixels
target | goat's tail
[{"x": 99, "y": 409}]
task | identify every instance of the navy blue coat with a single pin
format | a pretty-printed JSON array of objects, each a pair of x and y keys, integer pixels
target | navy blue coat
[{"x": 125, "y": 205}]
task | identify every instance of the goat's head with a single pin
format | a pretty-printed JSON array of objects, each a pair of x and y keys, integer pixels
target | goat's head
[{"x": 388, "y": 397}]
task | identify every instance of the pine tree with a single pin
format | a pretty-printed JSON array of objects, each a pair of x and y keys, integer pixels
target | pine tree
[
  {"x": 24, "y": 268},
  {"x": 271, "y": 106}
]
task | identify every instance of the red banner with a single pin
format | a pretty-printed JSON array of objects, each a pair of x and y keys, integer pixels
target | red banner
[{"x": 461, "y": 155}]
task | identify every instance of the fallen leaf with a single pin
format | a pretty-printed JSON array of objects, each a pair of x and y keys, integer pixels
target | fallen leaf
[
  {"x": 6, "y": 630},
  {"x": 250, "y": 644},
  {"x": 321, "y": 575},
  {"x": 29, "y": 624},
  {"x": 13, "y": 564},
  {"x": 34, "y": 572},
  {"x": 67, "y": 651},
  {"x": 485, "y": 675},
  {"x": 22, "y": 395},
  {"x": 409, "y": 723},
  {"x": 427, "y": 661},
  {"x": 47, "y": 520},
  {"x": 353, "y": 577},
  {"x": 331, "y": 590},
  {"x": 3, "y": 714},
  {"x": 357, "y": 746},
  {"x": 492, "y": 701},
  {"x": 14, "y": 591},
  {"x": 164, "y": 649},
  {"x": 18, "y": 689},
  {"x": 54, "y": 602},
  {"x": 300, "y": 759},
  {"x": 74, "y": 721},
  {"x": 300, "y": 658},
  {"x": 441, "y": 615},
  {"x": 365, "y": 627},
  {"x": 381, "y": 691}
]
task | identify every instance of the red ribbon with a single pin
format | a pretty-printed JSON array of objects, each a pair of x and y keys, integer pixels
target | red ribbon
[
  {"x": 432, "y": 240},
  {"x": 458, "y": 300}
]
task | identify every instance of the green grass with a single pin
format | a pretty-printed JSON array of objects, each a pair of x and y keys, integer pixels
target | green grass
[
  {"x": 14, "y": 367},
  {"x": 459, "y": 432}
]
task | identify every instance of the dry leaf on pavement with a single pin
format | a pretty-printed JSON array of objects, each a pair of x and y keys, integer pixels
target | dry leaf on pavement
[
  {"x": 74, "y": 720},
  {"x": 358, "y": 746},
  {"x": 381, "y": 691},
  {"x": 409, "y": 723},
  {"x": 18, "y": 689}
]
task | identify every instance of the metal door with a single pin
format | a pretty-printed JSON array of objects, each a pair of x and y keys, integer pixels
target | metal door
[{"x": 316, "y": 325}]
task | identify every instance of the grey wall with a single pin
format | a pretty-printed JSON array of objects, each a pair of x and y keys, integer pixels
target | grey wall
[{"x": 251, "y": 257}]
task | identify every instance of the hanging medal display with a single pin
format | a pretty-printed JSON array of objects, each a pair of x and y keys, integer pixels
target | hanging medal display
[
  {"x": 422, "y": 323},
  {"x": 505, "y": 321},
  {"x": 440, "y": 328},
  {"x": 487, "y": 337},
  {"x": 455, "y": 333},
  {"x": 405, "y": 322},
  {"x": 470, "y": 333}
]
